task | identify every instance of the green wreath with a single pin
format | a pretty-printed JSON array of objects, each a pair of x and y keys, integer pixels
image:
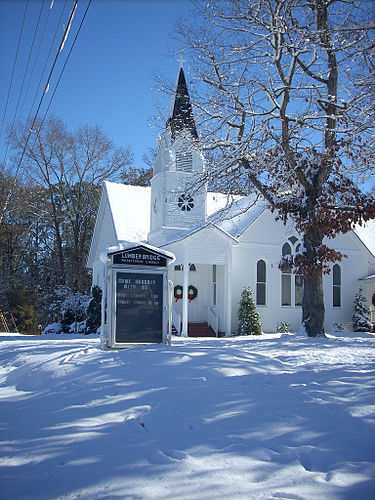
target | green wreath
[
  {"x": 192, "y": 293},
  {"x": 178, "y": 292}
]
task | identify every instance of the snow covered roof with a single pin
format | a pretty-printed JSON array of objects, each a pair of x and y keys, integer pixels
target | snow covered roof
[
  {"x": 368, "y": 278},
  {"x": 366, "y": 234},
  {"x": 130, "y": 209},
  {"x": 238, "y": 214}
]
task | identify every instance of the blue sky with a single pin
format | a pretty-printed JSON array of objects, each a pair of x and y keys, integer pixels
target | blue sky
[{"x": 108, "y": 79}]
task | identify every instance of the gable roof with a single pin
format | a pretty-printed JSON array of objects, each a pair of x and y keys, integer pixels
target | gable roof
[
  {"x": 366, "y": 234},
  {"x": 239, "y": 214},
  {"x": 129, "y": 211}
]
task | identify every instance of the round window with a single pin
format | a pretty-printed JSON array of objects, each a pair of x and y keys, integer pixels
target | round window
[{"x": 185, "y": 202}]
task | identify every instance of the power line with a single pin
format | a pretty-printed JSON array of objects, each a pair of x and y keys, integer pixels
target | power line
[
  {"x": 47, "y": 84},
  {"x": 35, "y": 60},
  {"x": 62, "y": 43},
  {"x": 65, "y": 63},
  {"x": 14, "y": 66},
  {"x": 47, "y": 59},
  {"x": 24, "y": 78}
]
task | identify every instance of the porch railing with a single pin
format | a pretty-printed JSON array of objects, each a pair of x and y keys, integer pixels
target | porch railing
[
  {"x": 213, "y": 320},
  {"x": 176, "y": 321}
]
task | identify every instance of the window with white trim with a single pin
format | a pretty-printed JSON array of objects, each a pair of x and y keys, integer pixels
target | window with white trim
[
  {"x": 336, "y": 283},
  {"x": 214, "y": 284},
  {"x": 291, "y": 287},
  {"x": 286, "y": 278},
  {"x": 261, "y": 283}
]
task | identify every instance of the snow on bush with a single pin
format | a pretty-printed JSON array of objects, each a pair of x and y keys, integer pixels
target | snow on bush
[
  {"x": 53, "y": 328},
  {"x": 74, "y": 313},
  {"x": 248, "y": 318},
  {"x": 361, "y": 313}
]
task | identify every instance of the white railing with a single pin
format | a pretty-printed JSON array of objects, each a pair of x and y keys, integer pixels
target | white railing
[
  {"x": 176, "y": 321},
  {"x": 213, "y": 320}
]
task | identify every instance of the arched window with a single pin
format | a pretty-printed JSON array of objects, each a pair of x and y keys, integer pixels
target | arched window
[
  {"x": 180, "y": 267},
  {"x": 261, "y": 283},
  {"x": 336, "y": 275},
  {"x": 286, "y": 279}
]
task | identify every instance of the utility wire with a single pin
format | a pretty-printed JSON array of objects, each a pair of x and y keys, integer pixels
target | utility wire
[
  {"x": 24, "y": 78},
  {"x": 65, "y": 35},
  {"x": 14, "y": 66},
  {"x": 47, "y": 59},
  {"x": 65, "y": 64},
  {"x": 35, "y": 60},
  {"x": 47, "y": 84}
]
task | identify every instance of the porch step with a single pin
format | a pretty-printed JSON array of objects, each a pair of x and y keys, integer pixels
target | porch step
[{"x": 200, "y": 330}]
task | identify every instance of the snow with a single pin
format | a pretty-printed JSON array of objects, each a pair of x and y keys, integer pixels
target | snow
[
  {"x": 280, "y": 416},
  {"x": 366, "y": 233},
  {"x": 231, "y": 213},
  {"x": 130, "y": 209}
]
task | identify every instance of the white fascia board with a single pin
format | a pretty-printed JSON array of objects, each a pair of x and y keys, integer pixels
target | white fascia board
[{"x": 220, "y": 231}]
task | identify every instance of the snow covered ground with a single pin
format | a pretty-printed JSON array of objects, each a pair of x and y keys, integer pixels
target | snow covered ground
[{"x": 277, "y": 417}]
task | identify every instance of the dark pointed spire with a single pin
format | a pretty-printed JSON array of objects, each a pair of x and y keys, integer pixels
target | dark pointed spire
[{"x": 181, "y": 116}]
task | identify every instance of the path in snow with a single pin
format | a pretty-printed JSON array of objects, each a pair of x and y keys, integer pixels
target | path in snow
[{"x": 261, "y": 418}]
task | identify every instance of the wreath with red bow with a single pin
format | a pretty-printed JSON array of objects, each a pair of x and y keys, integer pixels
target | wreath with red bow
[
  {"x": 192, "y": 292},
  {"x": 178, "y": 292}
]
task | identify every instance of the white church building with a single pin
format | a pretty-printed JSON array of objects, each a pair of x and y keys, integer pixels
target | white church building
[{"x": 221, "y": 243}]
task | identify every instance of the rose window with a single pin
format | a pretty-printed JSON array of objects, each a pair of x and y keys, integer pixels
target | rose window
[{"x": 185, "y": 202}]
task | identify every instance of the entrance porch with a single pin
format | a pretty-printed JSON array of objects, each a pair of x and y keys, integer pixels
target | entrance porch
[{"x": 202, "y": 281}]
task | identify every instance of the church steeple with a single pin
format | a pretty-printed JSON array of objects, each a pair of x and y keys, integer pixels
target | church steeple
[
  {"x": 181, "y": 118},
  {"x": 176, "y": 204}
]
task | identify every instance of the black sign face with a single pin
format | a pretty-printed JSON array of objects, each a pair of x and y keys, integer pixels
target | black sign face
[
  {"x": 139, "y": 307},
  {"x": 139, "y": 256}
]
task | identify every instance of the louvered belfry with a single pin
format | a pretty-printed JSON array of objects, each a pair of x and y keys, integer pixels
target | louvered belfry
[{"x": 182, "y": 118}]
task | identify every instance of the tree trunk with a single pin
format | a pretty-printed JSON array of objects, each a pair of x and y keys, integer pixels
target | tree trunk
[
  {"x": 313, "y": 299},
  {"x": 313, "y": 306}
]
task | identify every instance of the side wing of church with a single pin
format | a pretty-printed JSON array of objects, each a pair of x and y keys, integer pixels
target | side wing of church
[{"x": 222, "y": 243}]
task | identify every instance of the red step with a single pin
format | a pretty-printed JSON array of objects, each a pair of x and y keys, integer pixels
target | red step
[{"x": 200, "y": 330}]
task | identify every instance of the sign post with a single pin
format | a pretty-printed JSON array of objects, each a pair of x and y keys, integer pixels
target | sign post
[{"x": 137, "y": 298}]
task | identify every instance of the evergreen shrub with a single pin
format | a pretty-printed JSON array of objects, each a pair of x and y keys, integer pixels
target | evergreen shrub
[
  {"x": 248, "y": 317},
  {"x": 94, "y": 310},
  {"x": 361, "y": 313}
]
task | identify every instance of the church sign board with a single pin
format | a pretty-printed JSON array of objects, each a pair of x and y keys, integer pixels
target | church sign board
[
  {"x": 139, "y": 256},
  {"x": 137, "y": 298}
]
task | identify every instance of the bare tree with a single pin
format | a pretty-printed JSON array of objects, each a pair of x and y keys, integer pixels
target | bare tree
[
  {"x": 285, "y": 107},
  {"x": 69, "y": 169}
]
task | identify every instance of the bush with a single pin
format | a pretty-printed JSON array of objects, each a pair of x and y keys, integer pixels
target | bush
[
  {"x": 23, "y": 304},
  {"x": 283, "y": 327},
  {"x": 94, "y": 310},
  {"x": 361, "y": 313},
  {"x": 248, "y": 318},
  {"x": 53, "y": 328},
  {"x": 74, "y": 313}
]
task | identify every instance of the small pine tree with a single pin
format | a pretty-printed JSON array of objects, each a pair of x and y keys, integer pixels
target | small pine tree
[
  {"x": 361, "y": 313},
  {"x": 248, "y": 318},
  {"x": 94, "y": 311}
]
